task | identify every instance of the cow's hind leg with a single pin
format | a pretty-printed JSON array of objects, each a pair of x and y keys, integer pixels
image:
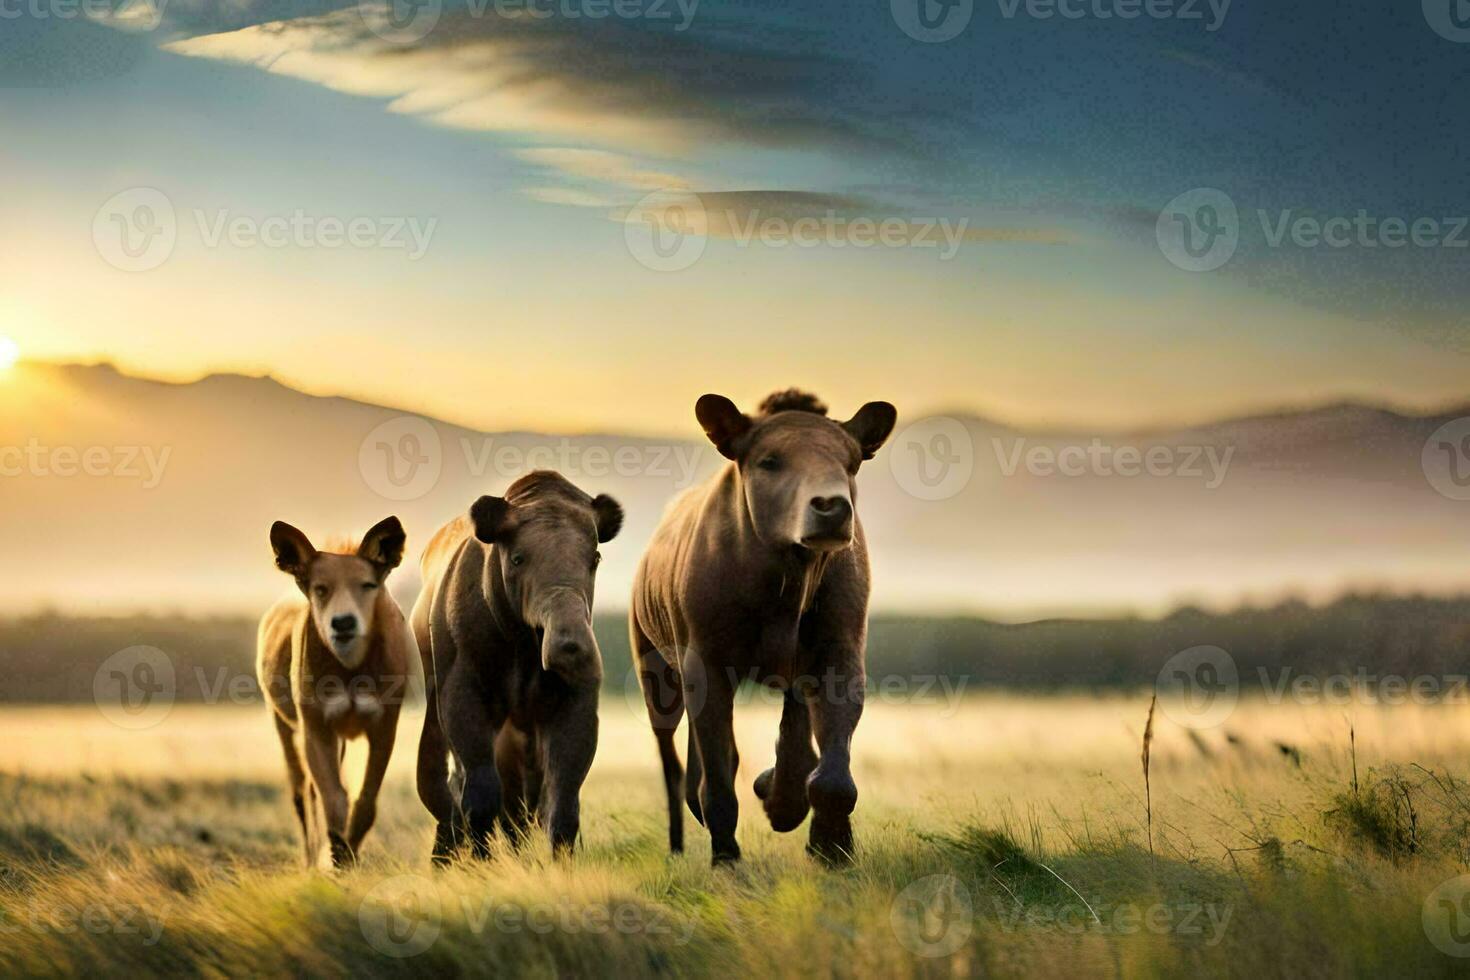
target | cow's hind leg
[
  {"x": 296, "y": 778},
  {"x": 782, "y": 789},
  {"x": 713, "y": 730},
  {"x": 664, "y": 699}
]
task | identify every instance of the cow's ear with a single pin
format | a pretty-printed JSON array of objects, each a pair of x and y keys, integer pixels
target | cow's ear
[
  {"x": 871, "y": 426},
  {"x": 294, "y": 552},
  {"x": 723, "y": 423},
  {"x": 609, "y": 517},
  {"x": 490, "y": 517},
  {"x": 382, "y": 546}
]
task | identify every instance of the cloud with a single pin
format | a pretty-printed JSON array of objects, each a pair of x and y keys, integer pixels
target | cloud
[
  {"x": 569, "y": 196},
  {"x": 745, "y": 215},
  {"x": 604, "y": 167},
  {"x": 627, "y": 87}
]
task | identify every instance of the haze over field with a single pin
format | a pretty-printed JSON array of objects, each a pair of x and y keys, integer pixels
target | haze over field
[{"x": 190, "y": 476}]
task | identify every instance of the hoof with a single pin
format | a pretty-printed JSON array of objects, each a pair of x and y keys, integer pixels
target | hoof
[
  {"x": 343, "y": 856},
  {"x": 831, "y": 841},
  {"x": 831, "y": 793},
  {"x": 785, "y": 814},
  {"x": 444, "y": 845},
  {"x": 726, "y": 856}
]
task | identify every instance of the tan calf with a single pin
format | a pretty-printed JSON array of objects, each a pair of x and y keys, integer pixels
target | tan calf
[{"x": 335, "y": 666}]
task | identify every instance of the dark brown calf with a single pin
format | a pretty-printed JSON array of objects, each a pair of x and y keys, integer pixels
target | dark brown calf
[
  {"x": 762, "y": 574},
  {"x": 504, "y": 624}
]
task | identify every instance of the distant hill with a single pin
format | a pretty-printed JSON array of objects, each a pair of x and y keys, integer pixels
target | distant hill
[{"x": 1311, "y": 503}]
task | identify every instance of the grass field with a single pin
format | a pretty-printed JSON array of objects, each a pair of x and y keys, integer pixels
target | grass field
[{"x": 1001, "y": 835}]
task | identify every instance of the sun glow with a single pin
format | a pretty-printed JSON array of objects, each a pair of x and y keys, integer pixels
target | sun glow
[{"x": 9, "y": 353}]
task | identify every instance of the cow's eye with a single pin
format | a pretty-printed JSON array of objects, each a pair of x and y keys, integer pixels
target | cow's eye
[
  {"x": 770, "y": 463},
  {"x": 320, "y": 591},
  {"x": 517, "y": 558},
  {"x": 369, "y": 586},
  {"x": 596, "y": 558}
]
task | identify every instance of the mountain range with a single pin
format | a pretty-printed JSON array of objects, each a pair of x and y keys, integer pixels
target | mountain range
[{"x": 119, "y": 493}]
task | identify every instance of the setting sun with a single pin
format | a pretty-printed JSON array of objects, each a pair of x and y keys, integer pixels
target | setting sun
[{"x": 9, "y": 353}]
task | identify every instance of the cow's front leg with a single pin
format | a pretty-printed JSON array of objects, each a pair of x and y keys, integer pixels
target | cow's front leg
[
  {"x": 835, "y": 708},
  {"x": 471, "y": 733},
  {"x": 568, "y": 744},
  {"x": 324, "y": 762},
  {"x": 713, "y": 728},
  {"x": 380, "y": 749},
  {"x": 782, "y": 789}
]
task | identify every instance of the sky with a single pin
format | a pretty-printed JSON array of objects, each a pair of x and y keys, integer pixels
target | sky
[{"x": 579, "y": 216}]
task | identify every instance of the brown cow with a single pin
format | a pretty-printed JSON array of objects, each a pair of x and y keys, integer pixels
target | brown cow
[
  {"x": 762, "y": 574},
  {"x": 335, "y": 667},
  {"x": 504, "y": 624}
]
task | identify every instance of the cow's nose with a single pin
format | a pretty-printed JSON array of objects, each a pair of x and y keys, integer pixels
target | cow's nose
[
  {"x": 344, "y": 624},
  {"x": 832, "y": 508}
]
